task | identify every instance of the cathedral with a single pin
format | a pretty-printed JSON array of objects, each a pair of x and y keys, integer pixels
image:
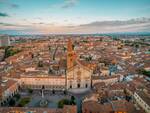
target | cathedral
[{"x": 77, "y": 76}]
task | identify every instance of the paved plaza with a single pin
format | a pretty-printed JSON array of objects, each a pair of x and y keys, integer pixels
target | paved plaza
[{"x": 52, "y": 99}]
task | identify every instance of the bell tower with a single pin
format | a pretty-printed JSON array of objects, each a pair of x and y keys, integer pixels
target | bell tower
[{"x": 70, "y": 54}]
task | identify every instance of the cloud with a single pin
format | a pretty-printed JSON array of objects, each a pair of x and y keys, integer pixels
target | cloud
[
  {"x": 138, "y": 24},
  {"x": 69, "y": 3},
  {"x": 26, "y": 28},
  {"x": 132, "y": 25},
  {"x": 20, "y": 31},
  {"x": 42, "y": 23},
  {"x": 65, "y": 4},
  {"x": 3, "y": 14},
  {"x": 29, "y": 25},
  {"x": 117, "y": 22},
  {"x": 9, "y": 4},
  {"x": 6, "y": 24},
  {"x": 14, "y": 5},
  {"x": 14, "y": 26}
]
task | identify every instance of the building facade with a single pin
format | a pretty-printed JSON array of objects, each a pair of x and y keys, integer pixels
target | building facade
[
  {"x": 8, "y": 89},
  {"x": 142, "y": 100},
  {"x": 47, "y": 83},
  {"x": 78, "y": 76},
  {"x": 4, "y": 40}
]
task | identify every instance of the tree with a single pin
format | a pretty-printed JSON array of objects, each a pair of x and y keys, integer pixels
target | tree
[
  {"x": 24, "y": 101},
  {"x": 50, "y": 70},
  {"x": 30, "y": 91},
  {"x": 49, "y": 48},
  {"x": 40, "y": 64},
  {"x": 9, "y": 51},
  {"x": 89, "y": 58},
  {"x": 144, "y": 72},
  {"x": 12, "y": 102},
  {"x": 136, "y": 45},
  {"x": 17, "y": 96},
  {"x": 63, "y": 102},
  {"x": 142, "y": 39},
  {"x": 73, "y": 100},
  {"x": 65, "y": 49},
  {"x": 128, "y": 98},
  {"x": 65, "y": 92}
]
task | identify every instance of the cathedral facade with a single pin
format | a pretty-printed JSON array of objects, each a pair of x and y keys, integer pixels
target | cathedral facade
[{"x": 78, "y": 76}]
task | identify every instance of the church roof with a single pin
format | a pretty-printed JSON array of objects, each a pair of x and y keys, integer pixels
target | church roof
[{"x": 77, "y": 63}]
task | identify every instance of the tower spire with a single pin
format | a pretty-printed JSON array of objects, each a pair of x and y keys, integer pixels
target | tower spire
[
  {"x": 70, "y": 54},
  {"x": 69, "y": 46}
]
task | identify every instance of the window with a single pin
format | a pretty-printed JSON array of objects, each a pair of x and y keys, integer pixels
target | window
[
  {"x": 43, "y": 87},
  {"x": 70, "y": 86},
  {"x": 86, "y": 85},
  {"x": 78, "y": 85}
]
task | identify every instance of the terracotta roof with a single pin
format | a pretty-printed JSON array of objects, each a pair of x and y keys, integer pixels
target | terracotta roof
[
  {"x": 94, "y": 107},
  {"x": 144, "y": 97},
  {"x": 25, "y": 110},
  {"x": 5, "y": 85},
  {"x": 114, "y": 106}
]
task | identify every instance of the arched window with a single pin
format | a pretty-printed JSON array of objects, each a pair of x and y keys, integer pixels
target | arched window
[
  {"x": 43, "y": 87},
  {"x": 86, "y": 85},
  {"x": 70, "y": 86},
  {"x": 78, "y": 85}
]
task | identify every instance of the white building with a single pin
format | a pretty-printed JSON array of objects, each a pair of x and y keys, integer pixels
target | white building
[
  {"x": 4, "y": 40},
  {"x": 45, "y": 82},
  {"x": 8, "y": 88},
  {"x": 79, "y": 76},
  {"x": 143, "y": 100}
]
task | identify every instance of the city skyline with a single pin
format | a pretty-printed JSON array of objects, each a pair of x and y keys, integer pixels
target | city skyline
[{"x": 73, "y": 16}]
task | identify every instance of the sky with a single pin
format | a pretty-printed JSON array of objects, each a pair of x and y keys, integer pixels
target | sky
[{"x": 74, "y": 16}]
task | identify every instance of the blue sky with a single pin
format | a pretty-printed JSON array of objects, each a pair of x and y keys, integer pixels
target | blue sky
[{"x": 74, "y": 16}]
